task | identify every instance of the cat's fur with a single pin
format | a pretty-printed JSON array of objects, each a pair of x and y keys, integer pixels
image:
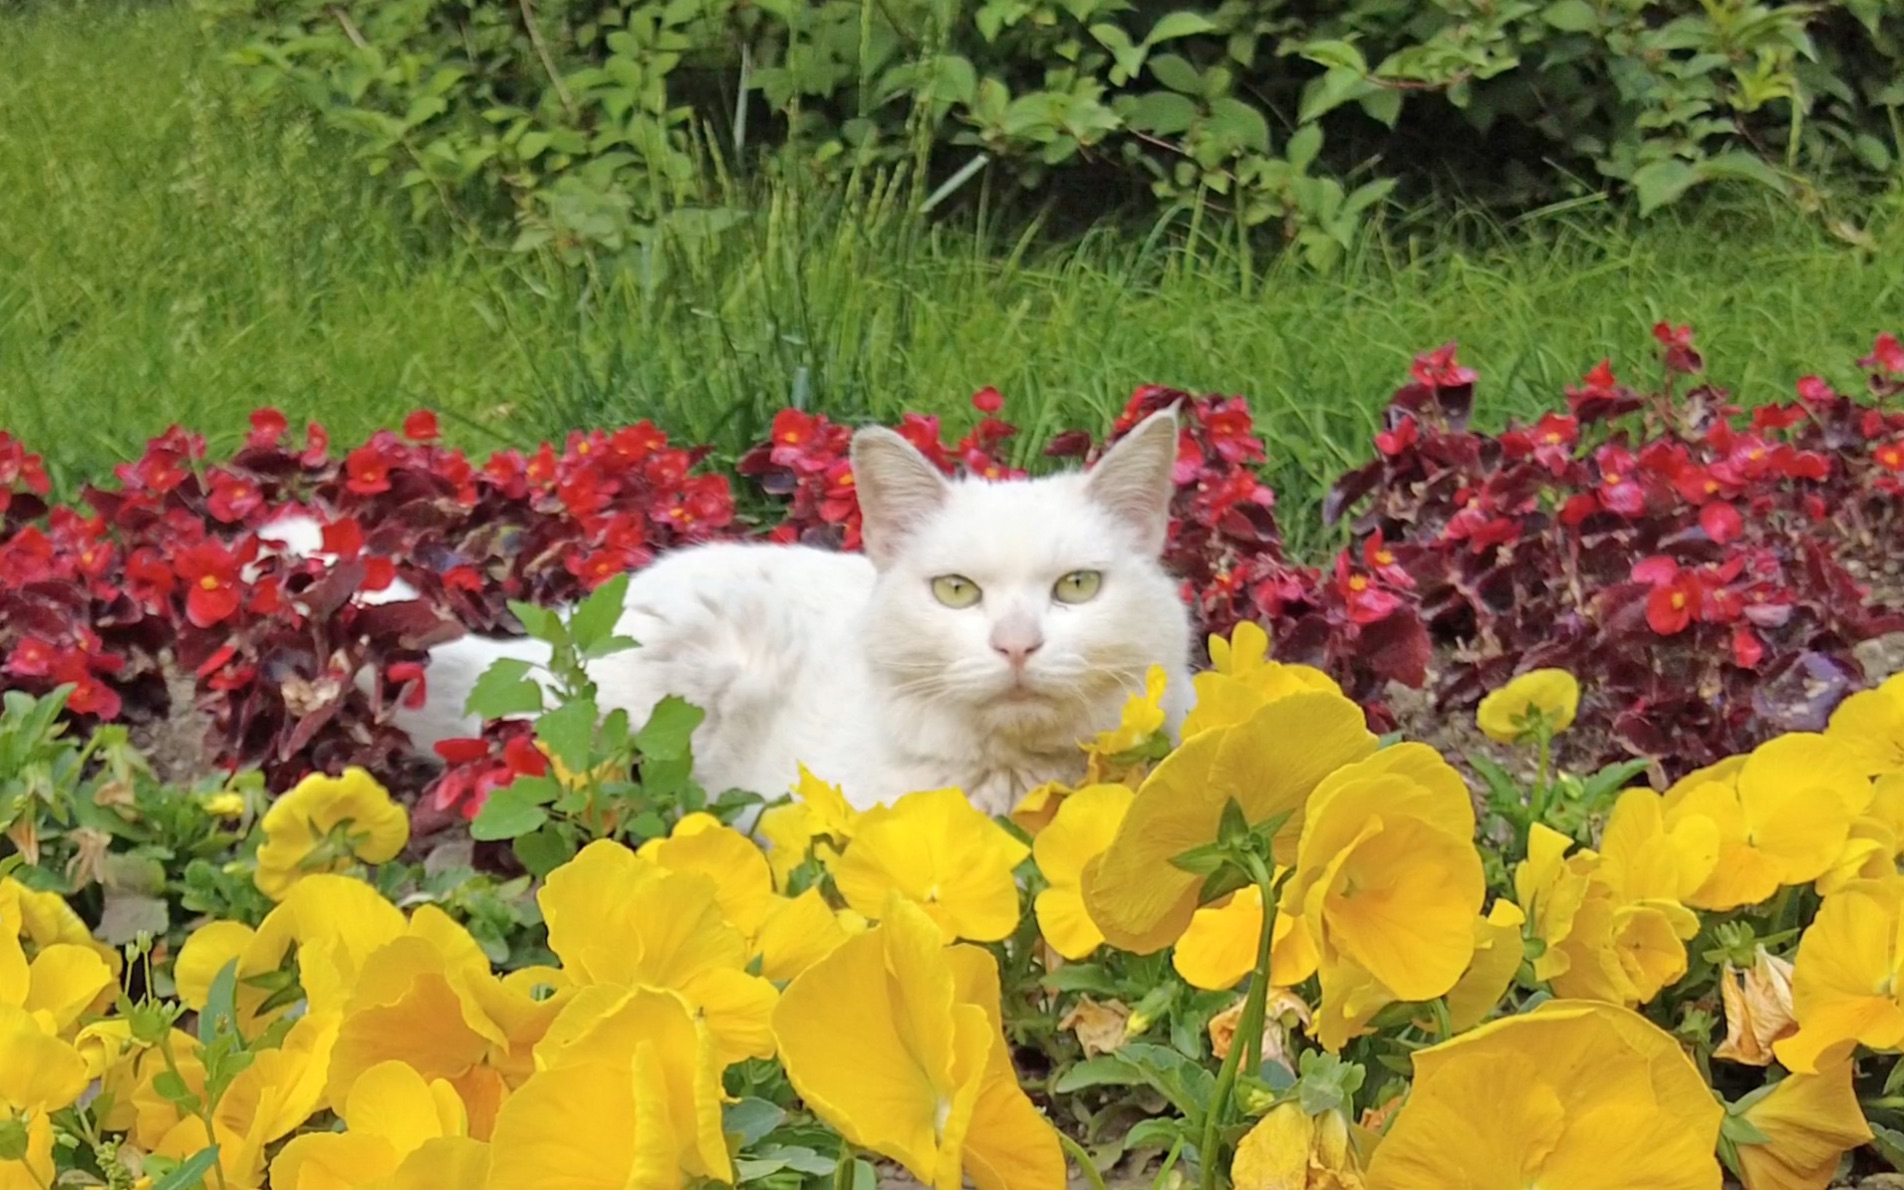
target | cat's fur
[{"x": 850, "y": 665}]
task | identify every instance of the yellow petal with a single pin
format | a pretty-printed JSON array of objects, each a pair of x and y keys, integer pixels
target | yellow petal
[
  {"x": 583, "y": 1128},
  {"x": 1082, "y": 828},
  {"x": 940, "y": 852},
  {"x": 1559, "y": 1097},
  {"x": 867, "y": 1038},
  {"x": 1498, "y": 952},
  {"x": 1809, "y": 1121},
  {"x": 1550, "y": 696},
  {"x": 1274, "y": 1153},
  {"x": 743, "y": 882},
  {"x": 331, "y": 1161},
  {"x": 392, "y": 1101},
  {"x": 450, "y": 1163},
  {"x": 1219, "y": 948},
  {"x": 38, "y": 1072},
  {"x": 1871, "y": 724},
  {"x": 1269, "y": 764},
  {"x": 66, "y": 981},
  {"x": 1845, "y": 985},
  {"x": 797, "y": 934}
]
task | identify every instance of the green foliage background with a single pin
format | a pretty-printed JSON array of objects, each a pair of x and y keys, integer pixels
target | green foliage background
[{"x": 590, "y": 123}]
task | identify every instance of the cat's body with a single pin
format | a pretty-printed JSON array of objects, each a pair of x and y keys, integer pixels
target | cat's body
[{"x": 989, "y": 628}]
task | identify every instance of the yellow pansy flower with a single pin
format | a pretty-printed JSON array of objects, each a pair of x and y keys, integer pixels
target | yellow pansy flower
[
  {"x": 1498, "y": 952},
  {"x": 1848, "y": 983},
  {"x": 1219, "y": 948},
  {"x": 1643, "y": 859},
  {"x": 1783, "y": 815},
  {"x": 1083, "y": 827},
  {"x": 38, "y": 1072},
  {"x": 1809, "y": 1122},
  {"x": 1557, "y": 1098},
  {"x": 268, "y": 1100},
  {"x": 1268, "y": 764},
  {"x": 628, "y": 1030},
  {"x": 1143, "y": 717},
  {"x": 786, "y": 832},
  {"x": 628, "y": 1096},
  {"x": 937, "y": 850},
  {"x": 619, "y": 920},
  {"x": 833, "y": 815},
  {"x": 299, "y": 826},
  {"x": 59, "y": 984},
  {"x": 743, "y": 882},
  {"x": 1289, "y": 1149},
  {"x": 1242, "y": 680},
  {"x": 1388, "y": 880},
  {"x": 43, "y": 919},
  {"x": 1601, "y": 945},
  {"x": 1539, "y": 699},
  {"x": 1870, "y": 724},
  {"x": 798, "y": 932},
  {"x": 895, "y": 1040},
  {"x": 334, "y": 921}
]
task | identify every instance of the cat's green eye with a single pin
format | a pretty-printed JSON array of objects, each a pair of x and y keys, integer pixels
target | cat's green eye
[
  {"x": 955, "y": 590},
  {"x": 1080, "y": 586}
]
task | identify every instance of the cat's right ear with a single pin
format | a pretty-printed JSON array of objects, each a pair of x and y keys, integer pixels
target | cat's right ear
[{"x": 899, "y": 490}]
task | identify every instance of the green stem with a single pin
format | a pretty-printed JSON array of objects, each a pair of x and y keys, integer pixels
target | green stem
[
  {"x": 843, "y": 1178},
  {"x": 1086, "y": 1166},
  {"x": 1249, "y": 1032},
  {"x": 1170, "y": 1163}
]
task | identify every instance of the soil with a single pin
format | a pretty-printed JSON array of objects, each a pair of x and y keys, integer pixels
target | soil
[{"x": 174, "y": 744}]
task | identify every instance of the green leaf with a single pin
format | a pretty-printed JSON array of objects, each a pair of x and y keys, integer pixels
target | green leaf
[
  {"x": 1875, "y": 152},
  {"x": 1303, "y": 146},
  {"x": 1105, "y": 1070},
  {"x": 1177, "y": 74},
  {"x": 1384, "y": 104},
  {"x": 221, "y": 1005},
  {"x": 1336, "y": 55},
  {"x": 1339, "y": 86},
  {"x": 190, "y": 1172},
  {"x": 569, "y": 731},
  {"x": 1183, "y": 23},
  {"x": 505, "y": 689},
  {"x": 543, "y": 851},
  {"x": 541, "y": 623},
  {"x": 1164, "y": 113},
  {"x": 1081, "y": 977},
  {"x": 751, "y": 1119},
  {"x": 1659, "y": 183},
  {"x": 1240, "y": 123},
  {"x": 670, "y": 729},
  {"x": 1571, "y": 16},
  {"x": 596, "y": 618},
  {"x": 509, "y": 813},
  {"x": 1743, "y": 165}
]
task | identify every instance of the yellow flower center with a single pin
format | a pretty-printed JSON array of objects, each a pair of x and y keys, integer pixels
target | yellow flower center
[{"x": 209, "y": 582}]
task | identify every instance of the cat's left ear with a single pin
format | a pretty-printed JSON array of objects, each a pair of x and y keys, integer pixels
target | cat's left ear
[{"x": 1135, "y": 480}]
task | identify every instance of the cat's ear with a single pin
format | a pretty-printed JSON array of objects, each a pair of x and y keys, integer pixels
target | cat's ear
[
  {"x": 899, "y": 490},
  {"x": 1135, "y": 479}
]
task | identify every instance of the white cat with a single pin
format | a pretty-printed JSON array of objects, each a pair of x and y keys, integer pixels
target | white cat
[{"x": 988, "y": 629}]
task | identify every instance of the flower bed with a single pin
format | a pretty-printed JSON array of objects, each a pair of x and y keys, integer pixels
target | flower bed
[{"x": 212, "y": 986}]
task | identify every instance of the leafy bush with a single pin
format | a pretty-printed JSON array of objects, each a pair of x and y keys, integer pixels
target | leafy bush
[
  {"x": 1271, "y": 955},
  {"x": 594, "y": 122}
]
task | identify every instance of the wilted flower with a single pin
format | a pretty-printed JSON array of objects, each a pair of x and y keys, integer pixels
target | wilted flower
[
  {"x": 1758, "y": 1009},
  {"x": 1555, "y": 1098},
  {"x": 1283, "y": 1012},
  {"x": 1536, "y": 701},
  {"x": 895, "y": 1040},
  {"x": 1807, "y": 1122},
  {"x": 939, "y": 851},
  {"x": 1100, "y": 1028},
  {"x": 325, "y": 823}
]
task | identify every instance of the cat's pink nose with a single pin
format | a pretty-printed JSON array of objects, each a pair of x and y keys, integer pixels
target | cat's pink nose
[{"x": 1017, "y": 647}]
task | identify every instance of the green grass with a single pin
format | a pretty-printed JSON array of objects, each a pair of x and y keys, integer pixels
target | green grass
[{"x": 170, "y": 251}]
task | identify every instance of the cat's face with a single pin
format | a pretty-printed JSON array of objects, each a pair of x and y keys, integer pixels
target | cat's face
[{"x": 1031, "y": 607}]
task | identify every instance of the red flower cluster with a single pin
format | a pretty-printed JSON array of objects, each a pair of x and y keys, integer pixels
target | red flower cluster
[{"x": 1689, "y": 563}]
